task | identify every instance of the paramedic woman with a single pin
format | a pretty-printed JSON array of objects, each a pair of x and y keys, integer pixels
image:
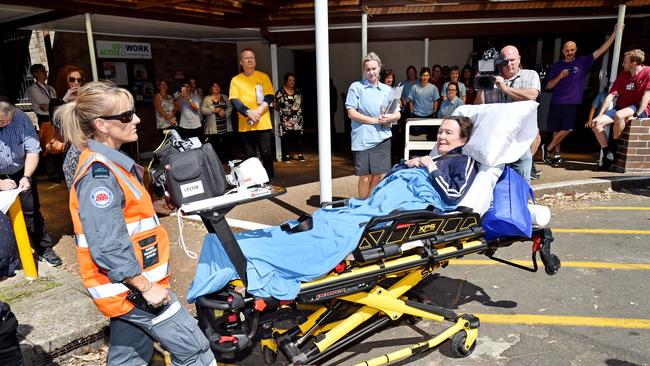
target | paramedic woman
[{"x": 120, "y": 241}]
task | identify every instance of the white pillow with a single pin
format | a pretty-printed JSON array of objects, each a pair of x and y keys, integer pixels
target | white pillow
[{"x": 502, "y": 132}]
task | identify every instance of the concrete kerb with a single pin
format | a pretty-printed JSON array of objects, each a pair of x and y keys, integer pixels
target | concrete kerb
[{"x": 592, "y": 185}]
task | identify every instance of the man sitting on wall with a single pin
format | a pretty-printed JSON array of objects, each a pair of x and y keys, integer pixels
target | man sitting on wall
[{"x": 632, "y": 89}]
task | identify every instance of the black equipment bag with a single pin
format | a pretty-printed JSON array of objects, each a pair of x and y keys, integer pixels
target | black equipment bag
[{"x": 195, "y": 175}]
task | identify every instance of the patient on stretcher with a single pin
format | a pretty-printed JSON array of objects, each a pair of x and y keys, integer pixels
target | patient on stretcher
[{"x": 278, "y": 261}]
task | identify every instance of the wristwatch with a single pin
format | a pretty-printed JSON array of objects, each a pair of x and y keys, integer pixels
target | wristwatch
[{"x": 29, "y": 179}]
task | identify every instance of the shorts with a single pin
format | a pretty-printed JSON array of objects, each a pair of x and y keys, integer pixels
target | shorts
[
  {"x": 562, "y": 117},
  {"x": 373, "y": 161},
  {"x": 610, "y": 113}
]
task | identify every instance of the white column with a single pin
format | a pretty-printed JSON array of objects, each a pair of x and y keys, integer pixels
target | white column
[
  {"x": 91, "y": 47},
  {"x": 538, "y": 53},
  {"x": 323, "y": 100},
  {"x": 617, "y": 44},
  {"x": 276, "y": 115},
  {"x": 602, "y": 75},
  {"x": 364, "y": 37},
  {"x": 426, "y": 52},
  {"x": 557, "y": 49}
]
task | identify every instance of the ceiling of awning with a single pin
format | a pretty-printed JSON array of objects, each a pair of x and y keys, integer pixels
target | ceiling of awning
[{"x": 291, "y": 22}]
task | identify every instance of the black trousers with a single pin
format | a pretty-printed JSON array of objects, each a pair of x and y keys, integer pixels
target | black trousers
[
  {"x": 221, "y": 143},
  {"x": 33, "y": 219},
  {"x": 262, "y": 141},
  {"x": 292, "y": 141}
]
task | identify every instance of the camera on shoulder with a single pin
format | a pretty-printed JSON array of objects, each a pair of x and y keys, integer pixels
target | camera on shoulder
[{"x": 489, "y": 66}]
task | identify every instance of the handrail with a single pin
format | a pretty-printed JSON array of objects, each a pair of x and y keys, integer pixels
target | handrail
[{"x": 418, "y": 144}]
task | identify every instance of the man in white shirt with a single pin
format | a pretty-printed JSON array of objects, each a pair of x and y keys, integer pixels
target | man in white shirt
[{"x": 40, "y": 93}]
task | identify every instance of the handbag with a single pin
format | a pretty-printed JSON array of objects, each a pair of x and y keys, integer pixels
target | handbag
[
  {"x": 509, "y": 215},
  {"x": 50, "y": 139}
]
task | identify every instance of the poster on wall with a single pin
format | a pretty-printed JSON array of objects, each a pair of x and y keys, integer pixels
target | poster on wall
[
  {"x": 114, "y": 49},
  {"x": 116, "y": 72}
]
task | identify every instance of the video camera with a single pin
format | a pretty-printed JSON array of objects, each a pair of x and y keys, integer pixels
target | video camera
[{"x": 489, "y": 66}]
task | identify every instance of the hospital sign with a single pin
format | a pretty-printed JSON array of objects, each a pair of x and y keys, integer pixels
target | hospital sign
[{"x": 109, "y": 49}]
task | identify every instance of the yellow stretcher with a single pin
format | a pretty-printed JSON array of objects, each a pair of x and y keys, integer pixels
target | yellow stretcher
[{"x": 368, "y": 291}]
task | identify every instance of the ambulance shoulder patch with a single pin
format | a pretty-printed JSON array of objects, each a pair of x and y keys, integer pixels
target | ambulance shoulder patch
[{"x": 101, "y": 197}]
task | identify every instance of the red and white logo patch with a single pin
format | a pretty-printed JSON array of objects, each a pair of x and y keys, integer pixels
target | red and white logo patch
[{"x": 101, "y": 197}]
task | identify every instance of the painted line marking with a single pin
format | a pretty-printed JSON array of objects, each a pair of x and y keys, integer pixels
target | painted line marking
[
  {"x": 565, "y": 264},
  {"x": 576, "y": 321},
  {"x": 615, "y": 208},
  {"x": 602, "y": 231}
]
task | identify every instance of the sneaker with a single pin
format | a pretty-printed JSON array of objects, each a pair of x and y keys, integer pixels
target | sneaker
[
  {"x": 608, "y": 160},
  {"x": 48, "y": 256},
  {"x": 286, "y": 159},
  {"x": 536, "y": 173},
  {"x": 557, "y": 158},
  {"x": 544, "y": 153},
  {"x": 301, "y": 158}
]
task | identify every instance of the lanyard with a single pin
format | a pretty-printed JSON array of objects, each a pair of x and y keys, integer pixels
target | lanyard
[{"x": 46, "y": 91}]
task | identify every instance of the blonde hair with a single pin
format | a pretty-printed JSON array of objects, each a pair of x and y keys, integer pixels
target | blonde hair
[
  {"x": 94, "y": 99},
  {"x": 371, "y": 57},
  {"x": 636, "y": 55}
]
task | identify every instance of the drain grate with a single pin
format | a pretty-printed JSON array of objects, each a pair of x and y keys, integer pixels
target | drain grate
[{"x": 45, "y": 359}]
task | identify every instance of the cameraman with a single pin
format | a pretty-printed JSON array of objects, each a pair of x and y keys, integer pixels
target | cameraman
[{"x": 513, "y": 85}]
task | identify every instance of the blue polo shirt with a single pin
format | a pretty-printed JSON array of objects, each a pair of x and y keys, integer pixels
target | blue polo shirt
[
  {"x": 16, "y": 140},
  {"x": 367, "y": 99},
  {"x": 423, "y": 98}
]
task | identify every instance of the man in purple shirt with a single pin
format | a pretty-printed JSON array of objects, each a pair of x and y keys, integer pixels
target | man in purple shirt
[{"x": 566, "y": 80}]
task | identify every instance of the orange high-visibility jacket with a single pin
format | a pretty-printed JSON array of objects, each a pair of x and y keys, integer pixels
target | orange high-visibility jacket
[{"x": 149, "y": 239}]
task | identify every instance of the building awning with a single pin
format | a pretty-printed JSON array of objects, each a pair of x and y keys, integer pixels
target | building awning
[{"x": 286, "y": 22}]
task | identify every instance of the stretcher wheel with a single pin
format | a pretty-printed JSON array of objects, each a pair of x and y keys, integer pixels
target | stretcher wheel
[
  {"x": 269, "y": 355},
  {"x": 457, "y": 345}
]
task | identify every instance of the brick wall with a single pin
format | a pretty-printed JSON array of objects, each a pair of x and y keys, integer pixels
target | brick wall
[
  {"x": 206, "y": 61},
  {"x": 634, "y": 147}
]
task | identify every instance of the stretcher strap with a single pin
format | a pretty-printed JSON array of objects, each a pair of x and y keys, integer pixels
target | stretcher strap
[{"x": 305, "y": 223}]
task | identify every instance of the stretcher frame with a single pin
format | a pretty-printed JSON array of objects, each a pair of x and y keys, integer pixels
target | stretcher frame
[{"x": 368, "y": 291}]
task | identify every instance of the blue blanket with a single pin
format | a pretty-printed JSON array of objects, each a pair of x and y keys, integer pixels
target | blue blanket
[{"x": 277, "y": 262}]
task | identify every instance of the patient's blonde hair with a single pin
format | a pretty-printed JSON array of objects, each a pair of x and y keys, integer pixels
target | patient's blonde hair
[{"x": 94, "y": 99}]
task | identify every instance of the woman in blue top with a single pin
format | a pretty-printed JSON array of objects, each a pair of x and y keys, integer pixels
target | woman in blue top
[
  {"x": 424, "y": 96},
  {"x": 452, "y": 102},
  {"x": 370, "y": 126}
]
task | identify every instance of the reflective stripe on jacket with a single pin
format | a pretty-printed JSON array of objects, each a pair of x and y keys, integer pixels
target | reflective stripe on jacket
[{"x": 148, "y": 237}]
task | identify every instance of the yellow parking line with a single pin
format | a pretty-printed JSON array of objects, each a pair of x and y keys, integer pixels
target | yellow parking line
[
  {"x": 576, "y": 321},
  {"x": 566, "y": 264},
  {"x": 615, "y": 208},
  {"x": 602, "y": 231}
]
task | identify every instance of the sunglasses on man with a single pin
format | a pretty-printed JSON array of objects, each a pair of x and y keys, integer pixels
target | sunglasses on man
[
  {"x": 124, "y": 117},
  {"x": 72, "y": 80}
]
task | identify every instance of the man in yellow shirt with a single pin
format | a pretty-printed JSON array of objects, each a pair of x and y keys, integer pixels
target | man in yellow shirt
[{"x": 251, "y": 94}]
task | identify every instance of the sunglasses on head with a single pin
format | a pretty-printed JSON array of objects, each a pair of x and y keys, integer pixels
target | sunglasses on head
[
  {"x": 124, "y": 117},
  {"x": 72, "y": 80}
]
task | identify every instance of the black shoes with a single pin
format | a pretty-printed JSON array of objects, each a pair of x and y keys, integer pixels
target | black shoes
[
  {"x": 286, "y": 159},
  {"x": 535, "y": 173},
  {"x": 608, "y": 160},
  {"x": 48, "y": 256},
  {"x": 544, "y": 154},
  {"x": 557, "y": 158},
  {"x": 301, "y": 158}
]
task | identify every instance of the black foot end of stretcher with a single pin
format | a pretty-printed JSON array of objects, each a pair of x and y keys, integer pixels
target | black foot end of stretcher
[{"x": 368, "y": 291}]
